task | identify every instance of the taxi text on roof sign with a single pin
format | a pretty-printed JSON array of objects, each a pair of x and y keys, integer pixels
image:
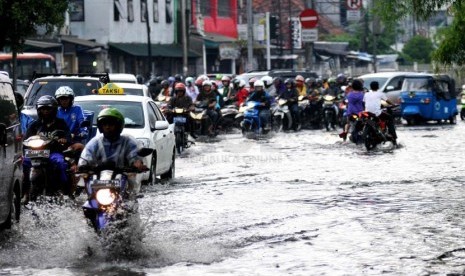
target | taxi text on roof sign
[{"x": 111, "y": 89}]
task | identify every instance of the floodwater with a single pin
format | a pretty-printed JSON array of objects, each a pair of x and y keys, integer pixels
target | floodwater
[{"x": 295, "y": 204}]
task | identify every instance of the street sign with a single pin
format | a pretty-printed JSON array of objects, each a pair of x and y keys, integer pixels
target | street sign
[
  {"x": 308, "y": 18},
  {"x": 309, "y": 35},
  {"x": 354, "y": 4},
  {"x": 353, "y": 15}
]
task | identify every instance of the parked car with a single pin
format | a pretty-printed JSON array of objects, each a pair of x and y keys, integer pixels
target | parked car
[
  {"x": 145, "y": 122},
  {"x": 122, "y": 77},
  {"x": 81, "y": 85},
  {"x": 10, "y": 178},
  {"x": 134, "y": 89},
  {"x": 389, "y": 83},
  {"x": 22, "y": 86}
]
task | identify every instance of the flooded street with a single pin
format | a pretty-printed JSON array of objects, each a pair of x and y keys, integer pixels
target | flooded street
[{"x": 299, "y": 203}]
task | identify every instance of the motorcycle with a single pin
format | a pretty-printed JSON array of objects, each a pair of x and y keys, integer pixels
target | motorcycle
[
  {"x": 107, "y": 191},
  {"x": 252, "y": 123},
  {"x": 229, "y": 117},
  {"x": 314, "y": 111},
  {"x": 181, "y": 136},
  {"x": 303, "y": 108},
  {"x": 281, "y": 116},
  {"x": 375, "y": 130},
  {"x": 355, "y": 129},
  {"x": 329, "y": 112},
  {"x": 199, "y": 115},
  {"x": 37, "y": 148},
  {"x": 163, "y": 102}
]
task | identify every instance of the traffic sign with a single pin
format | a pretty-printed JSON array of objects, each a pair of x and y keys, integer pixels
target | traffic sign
[
  {"x": 354, "y": 4},
  {"x": 308, "y": 18},
  {"x": 309, "y": 35}
]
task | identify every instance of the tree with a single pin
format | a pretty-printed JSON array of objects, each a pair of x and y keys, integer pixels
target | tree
[
  {"x": 419, "y": 49},
  {"x": 20, "y": 19},
  {"x": 451, "y": 42}
]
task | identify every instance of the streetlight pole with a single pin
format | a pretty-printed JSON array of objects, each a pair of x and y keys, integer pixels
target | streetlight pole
[
  {"x": 149, "y": 44},
  {"x": 185, "y": 63},
  {"x": 249, "y": 36}
]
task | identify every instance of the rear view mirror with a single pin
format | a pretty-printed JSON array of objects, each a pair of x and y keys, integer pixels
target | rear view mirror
[{"x": 390, "y": 88}]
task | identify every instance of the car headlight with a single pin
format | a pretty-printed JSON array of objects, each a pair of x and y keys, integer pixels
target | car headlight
[
  {"x": 105, "y": 196},
  {"x": 143, "y": 142}
]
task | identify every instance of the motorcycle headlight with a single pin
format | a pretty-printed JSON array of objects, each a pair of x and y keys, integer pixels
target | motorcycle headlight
[
  {"x": 105, "y": 196},
  {"x": 36, "y": 143}
]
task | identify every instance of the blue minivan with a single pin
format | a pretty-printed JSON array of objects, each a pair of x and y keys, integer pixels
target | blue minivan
[{"x": 428, "y": 97}]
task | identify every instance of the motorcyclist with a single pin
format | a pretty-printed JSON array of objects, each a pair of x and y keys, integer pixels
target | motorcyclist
[
  {"x": 355, "y": 104},
  {"x": 191, "y": 89},
  {"x": 259, "y": 95},
  {"x": 45, "y": 125},
  {"x": 211, "y": 101},
  {"x": 268, "y": 85},
  {"x": 300, "y": 86},
  {"x": 113, "y": 146},
  {"x": 226, "y": 81},
  {"x": 165, "y": 89},
  {"x": 290, "y": 94},
  {"x": 279, "y": 86},
  {"x": 372, "y": 101},
  {"x": 155, "y": 86},
  {"x": 72, "y": 114},
  {"x": 251, "y": 86}
]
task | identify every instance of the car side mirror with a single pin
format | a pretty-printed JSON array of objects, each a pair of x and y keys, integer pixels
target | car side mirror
[
  {"x": 390, "y": 88},
  {"x": 160, "y": 125}
]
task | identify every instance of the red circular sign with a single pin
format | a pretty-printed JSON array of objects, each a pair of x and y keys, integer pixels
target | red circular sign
[{"x": 308, "y": 19}]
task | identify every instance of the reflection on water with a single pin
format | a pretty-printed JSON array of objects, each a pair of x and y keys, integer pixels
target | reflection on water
[{"x": 302, "y": 203}]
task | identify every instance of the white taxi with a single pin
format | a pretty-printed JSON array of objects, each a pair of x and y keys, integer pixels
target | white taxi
[{"x": 145, "y": 122}]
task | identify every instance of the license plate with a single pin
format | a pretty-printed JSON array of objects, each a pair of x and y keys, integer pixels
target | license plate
[
  {"x": 179, "y": 120},
  {"x": 107, "y": 183},
  {"x": 29, "y": 153}
]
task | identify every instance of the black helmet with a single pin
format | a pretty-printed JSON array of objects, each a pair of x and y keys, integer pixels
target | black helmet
[
  {"x": 165, "y": 82},
  {"x": 277, "y": 80},
  {"x": 47, "y": 101},
  {"x": 177, "y": 77},
  {"x": 289, "y": 81}
]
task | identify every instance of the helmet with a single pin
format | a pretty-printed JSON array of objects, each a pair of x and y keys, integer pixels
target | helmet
[
  {"x": 64, "y": 91},
  {"x": 47, "y": 101},
  {"x": 267, "y": 81},
  {"x": 179, "y": 87},
  {"x": 206, "y": 82},
  {"x": 252, "y": 80},
  {"x": 299, "y": 78},
  {"x": 258, "y": 83},
  {"x": 113, "y": 114},
  {"x": 289, "y": 81},
  {"x": 177, "y": 77},
  {"x": 277, "y": 80},
  {"x": 171, "y": 79},
  {"x": 189, "y": 80},
  {"x": 225, "y": 78},
  {"x": 332, "y": 80},
  {"x": 165, "y": 82},
  {"x": 241, "y": 83}
]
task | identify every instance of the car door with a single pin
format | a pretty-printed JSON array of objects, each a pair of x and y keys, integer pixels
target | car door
[
  {"x": 10, "y": 147},
  {"x": 159, "y": 138}
]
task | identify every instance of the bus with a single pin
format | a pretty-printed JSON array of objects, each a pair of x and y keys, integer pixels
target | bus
[{"x": 27, "y": 63}]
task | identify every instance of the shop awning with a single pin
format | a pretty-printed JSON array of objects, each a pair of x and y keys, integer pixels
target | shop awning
[
  {"x": 158, "y": 50},
  {"x": 81, "y": 42},
  {"x": 42, "y": 46},
  {"x": 214, "y": 40}
]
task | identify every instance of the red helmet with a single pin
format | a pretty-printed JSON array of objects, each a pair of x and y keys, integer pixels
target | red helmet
[{"x": 180, "y": 86}]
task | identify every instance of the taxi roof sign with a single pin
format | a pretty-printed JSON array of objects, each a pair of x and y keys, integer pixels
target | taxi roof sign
[{"x": 111, "y": 89}]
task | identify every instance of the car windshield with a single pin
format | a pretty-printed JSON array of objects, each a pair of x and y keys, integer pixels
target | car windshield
[
  {"x": 367, "y": 81},
  {"x": 416, "y": 84},
  {"x": 48, "y": 87},
  {"x": 132, "y": 111}
]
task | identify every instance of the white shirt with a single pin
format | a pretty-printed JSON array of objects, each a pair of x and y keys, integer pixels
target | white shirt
[{"x": 372, "y": 101}]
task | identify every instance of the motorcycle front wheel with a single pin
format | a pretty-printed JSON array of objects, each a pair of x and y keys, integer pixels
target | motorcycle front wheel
[{"x": 179, "y": 142}]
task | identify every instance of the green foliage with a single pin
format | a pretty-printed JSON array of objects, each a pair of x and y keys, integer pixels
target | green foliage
[
  {"x": 19, "y": 19},
  {"x": 419, "y": 49}
]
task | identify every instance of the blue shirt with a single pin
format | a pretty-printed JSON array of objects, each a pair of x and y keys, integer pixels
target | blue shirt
[
  {"x": 355, "y": 102},
  {"x": 73, "y": 117}
]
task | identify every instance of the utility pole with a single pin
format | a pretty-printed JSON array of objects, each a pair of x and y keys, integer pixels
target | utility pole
[
  {"x": 291, "y": 45},
  {"x": 185, "y": 63},
  {"x": 249, "y": 36},
  {"x": 149, "y": 44},
  {"x": 309, "y": 45}
]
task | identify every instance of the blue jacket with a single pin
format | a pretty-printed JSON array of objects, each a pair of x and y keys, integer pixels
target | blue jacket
[{"x": 73, "y": 117}]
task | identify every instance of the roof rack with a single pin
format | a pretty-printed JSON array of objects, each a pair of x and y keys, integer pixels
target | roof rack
[{"x": 104, "y": 77}]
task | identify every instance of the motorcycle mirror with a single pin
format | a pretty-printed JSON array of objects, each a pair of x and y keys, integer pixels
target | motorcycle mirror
[{"x": 143, "y": 152}]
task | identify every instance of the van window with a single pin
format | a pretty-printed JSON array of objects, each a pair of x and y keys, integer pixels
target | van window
[
  {"x": 8, "y": 111},
  {"x": 395, "y": 82}
]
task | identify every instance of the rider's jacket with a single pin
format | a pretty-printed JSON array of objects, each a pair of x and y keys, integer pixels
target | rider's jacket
[
  {"x": 73, "y": 117},
  {"x": 180, "y": 102},
  {"x": 262, "y": 97},
  {"x": 123, "y": 151},
  {"x": 289, "y": 94}
]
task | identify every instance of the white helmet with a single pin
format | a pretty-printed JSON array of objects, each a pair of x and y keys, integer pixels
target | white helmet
[
  {"x": 64, "y": 91},
  {"x": 258, "y": 83},
  {"x": 225, "y": 78},
  {"x": 267, "y": 80},
  {"x": 189, "y": 80},
  {"x": 241, "y": 83},
  {"x": 206, "y": 82}
]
